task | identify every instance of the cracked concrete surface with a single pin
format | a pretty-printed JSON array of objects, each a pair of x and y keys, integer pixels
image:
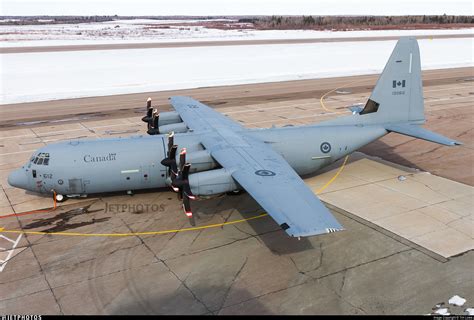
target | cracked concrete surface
[{"x": 227, "y": 271}]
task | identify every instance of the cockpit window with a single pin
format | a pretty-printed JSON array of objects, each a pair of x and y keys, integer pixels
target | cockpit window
[{"x": 41, "y": 159}]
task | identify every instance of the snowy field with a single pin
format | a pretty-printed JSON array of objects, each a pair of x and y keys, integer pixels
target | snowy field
[
  {"x": 56, "y": 75},
  {"x": 141, "y": 30}
]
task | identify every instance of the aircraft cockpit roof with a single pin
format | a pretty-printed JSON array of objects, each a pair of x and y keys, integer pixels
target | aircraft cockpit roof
[{"x": 41, "y": 158}]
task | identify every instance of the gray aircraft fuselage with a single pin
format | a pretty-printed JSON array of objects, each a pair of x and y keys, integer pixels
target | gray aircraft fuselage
[{"x": 81, "y": 167}]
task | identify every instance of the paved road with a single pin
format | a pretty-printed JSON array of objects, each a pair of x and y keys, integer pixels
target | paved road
[
  {"x": 154, "y": 45},
  {"x": 126, "y": 105}
]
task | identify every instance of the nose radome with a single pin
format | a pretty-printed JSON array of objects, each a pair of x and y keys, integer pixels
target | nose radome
[{"x": 18, "y": 179}]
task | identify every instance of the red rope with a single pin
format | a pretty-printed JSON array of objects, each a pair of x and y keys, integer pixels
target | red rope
[{"x": 34, "y": 211}]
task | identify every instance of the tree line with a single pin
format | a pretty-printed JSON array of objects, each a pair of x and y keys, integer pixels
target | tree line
[
  {"x": 357, "y": 22},
  {"x": 272, "y": 22}
]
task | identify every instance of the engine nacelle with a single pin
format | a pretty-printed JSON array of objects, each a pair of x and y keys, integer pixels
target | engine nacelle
[
  {"x": 212, "y": 182},
  {"x": 175, "y": 127},
  {"x": 169, "y": 118},
  {"x": 201, "y": 161}
]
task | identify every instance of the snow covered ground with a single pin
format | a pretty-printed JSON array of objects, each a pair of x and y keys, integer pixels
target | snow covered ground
[
  {"x": 141, "y": 30},
  {"x": 57, "y": 75}
]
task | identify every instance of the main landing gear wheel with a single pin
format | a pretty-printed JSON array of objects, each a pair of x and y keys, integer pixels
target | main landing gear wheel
[
  {"x": 235, "y": 193},
  {"x": 60, "y": 198}
]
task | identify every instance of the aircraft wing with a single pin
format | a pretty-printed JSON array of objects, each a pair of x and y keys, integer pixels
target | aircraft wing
[
  {"x": 270, "y": 180},
  {"x": 262, "y": 172},
  {"x": 198, "y": 116}
]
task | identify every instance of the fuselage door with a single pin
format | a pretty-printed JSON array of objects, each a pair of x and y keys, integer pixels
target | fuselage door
[{"x": 76, "y": 186}]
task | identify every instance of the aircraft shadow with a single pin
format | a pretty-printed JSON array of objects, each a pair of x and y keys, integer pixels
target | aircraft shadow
[
  {"x": 182, "y": 302},
  {"x": 382, "y": 150},
  {"x": 265, "y": 229}
]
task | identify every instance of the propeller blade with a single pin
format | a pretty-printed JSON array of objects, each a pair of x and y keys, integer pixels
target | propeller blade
[
  {"x": 170, "y": 141},
  {"x": 149, "y": 113},
  {"x": 156, "y": 117},
  {"x": 173, "y": 168},
  {"x": 188, "y": 211},
  {"x": 172, "y": 152},
  {"x": 187, "y": 192},
  {"x": 185, "y": 172},
  {"x": 180, "y": 193},
  {"x": 182, "y": 159}
]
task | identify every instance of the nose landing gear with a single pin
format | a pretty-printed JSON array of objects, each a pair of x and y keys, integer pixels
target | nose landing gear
[{"x": 59, "y": 197}]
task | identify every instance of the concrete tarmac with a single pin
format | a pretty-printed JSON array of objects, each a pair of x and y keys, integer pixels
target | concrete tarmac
[{"x": 251, "y": 267}]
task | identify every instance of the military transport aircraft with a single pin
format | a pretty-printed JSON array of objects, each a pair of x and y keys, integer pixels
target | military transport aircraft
[{"x": 218, "y": 155}]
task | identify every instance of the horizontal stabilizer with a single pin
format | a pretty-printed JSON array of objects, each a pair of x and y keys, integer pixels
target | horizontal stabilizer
[{"x": 420, "y": 133}]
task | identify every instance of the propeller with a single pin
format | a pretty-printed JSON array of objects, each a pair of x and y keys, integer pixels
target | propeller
[
  {"x": 176, "y": 182},
  {"x": 181, "y": 185},
  {"x": 186, "y": 194},
  {"x": 153, "y": 127},
  {"x": 179, "y": 175},
  {"x": 149, "y": 112},
  {"x": 170, "y": 160}
]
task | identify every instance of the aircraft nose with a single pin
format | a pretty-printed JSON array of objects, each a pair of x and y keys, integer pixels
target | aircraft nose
[{"x": 18, "y": 179}]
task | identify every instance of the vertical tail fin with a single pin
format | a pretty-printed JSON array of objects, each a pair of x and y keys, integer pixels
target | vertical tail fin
[{"x": 398, "y": 94}]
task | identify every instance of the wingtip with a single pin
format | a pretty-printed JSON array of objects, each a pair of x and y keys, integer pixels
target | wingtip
[
  {"x": 178, "y": 97},
  {"x": 313, "y": 233},
  {"x": 332, "y": 230},
  {"x": 453, "y": 143}
]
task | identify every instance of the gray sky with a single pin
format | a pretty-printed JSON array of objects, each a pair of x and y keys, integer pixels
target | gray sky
[{"x": 234, "y": 7}]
